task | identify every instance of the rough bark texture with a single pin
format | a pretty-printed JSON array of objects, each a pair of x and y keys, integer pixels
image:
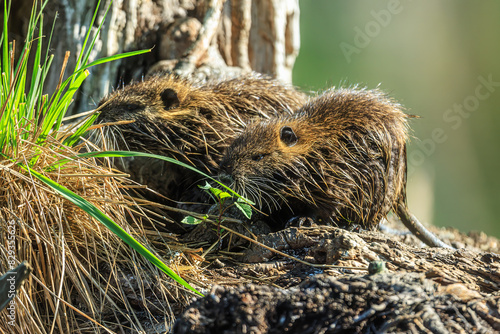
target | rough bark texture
[{"x": 259, "y": 35}]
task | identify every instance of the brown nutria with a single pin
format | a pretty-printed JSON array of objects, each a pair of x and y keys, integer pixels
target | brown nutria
[
  {"x": 190, "y": 122},
  {"x": 341, "y": 157}
]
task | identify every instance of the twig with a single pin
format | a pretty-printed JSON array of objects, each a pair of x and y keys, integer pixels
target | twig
[
  {"x": 204, "y": 254},
  {"x": 185, "y": 212},
  {"x": 63, "y": 69},
  {"x": 97, "y": 126},
  {"x": 71, "y": 306},
  {"x": 85, "y": 113},
  {"x": 92, "y": 175}
]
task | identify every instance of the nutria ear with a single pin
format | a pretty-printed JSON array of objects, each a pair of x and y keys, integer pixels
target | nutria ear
[
  {"x": 288, "y": 137},
  {"x": 170, "y": 98}
]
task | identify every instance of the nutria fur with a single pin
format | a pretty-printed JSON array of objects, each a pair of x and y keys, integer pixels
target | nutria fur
[
  {"x": 340, "y": 158},
  {"x": 190, "y": 122}
]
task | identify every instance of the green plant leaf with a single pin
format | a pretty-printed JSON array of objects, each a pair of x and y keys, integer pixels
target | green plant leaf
[
  {"x": 220, "y": 194},
  {"x": 190, "y": 220},
  {"x": 110, "y": 224},
  {"x": 245, "y": 208},
  {"x": 245, "y": 200},
  {"x": 207, "y": 186}
]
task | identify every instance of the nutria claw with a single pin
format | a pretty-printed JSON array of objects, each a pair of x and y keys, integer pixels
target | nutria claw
[{"x": 301, "y": 221}]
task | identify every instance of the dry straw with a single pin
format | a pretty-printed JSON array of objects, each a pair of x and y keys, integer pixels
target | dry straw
[{"x": 85, "y": 278}]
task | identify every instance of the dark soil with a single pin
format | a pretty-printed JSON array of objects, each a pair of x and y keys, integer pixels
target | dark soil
[
  {"x": 380, "y": 303},
  {"x": 429, "y": 290}
]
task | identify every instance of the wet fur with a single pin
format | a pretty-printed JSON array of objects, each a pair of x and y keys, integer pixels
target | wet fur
[
  {"x": 342, "y": 157},
  {"x": 190, "y": 122}
]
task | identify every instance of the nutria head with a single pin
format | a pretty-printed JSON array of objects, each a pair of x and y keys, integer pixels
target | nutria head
[
  {"x": 267, "y": 159},
  {"x": 150, "y": 116},
  {"x": 342, "y": 155}
]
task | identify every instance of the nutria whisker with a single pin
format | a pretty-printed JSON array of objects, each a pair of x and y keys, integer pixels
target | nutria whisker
[
  {"x": 341, "y": 157},
  {"x": 191, "y": 122}
]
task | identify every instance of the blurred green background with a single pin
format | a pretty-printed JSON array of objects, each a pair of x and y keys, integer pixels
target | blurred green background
[{"x": 441, "y": 60}]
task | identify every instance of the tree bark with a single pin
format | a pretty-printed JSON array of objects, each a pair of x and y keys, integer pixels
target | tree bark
[{"x": 252, "y": 35}]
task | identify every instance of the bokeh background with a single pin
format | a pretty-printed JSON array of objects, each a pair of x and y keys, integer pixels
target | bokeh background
[{"x": 441, "y": 60}]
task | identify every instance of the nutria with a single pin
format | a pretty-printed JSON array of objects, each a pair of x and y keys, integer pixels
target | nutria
[
  {"x": 340, "y": 158},
  {"x": 190, "y": 122}
]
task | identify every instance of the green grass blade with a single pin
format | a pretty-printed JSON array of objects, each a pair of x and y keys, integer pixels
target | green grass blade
[
  {"x": 50, "y": 39},
  {"x": 74, "y": 138},
  {"x": 67, "y": 98},
  {"x": 35, "y": 89},
  {"x": 87, "y": 36},
  {"x": 111, "y": 225},
  {"x": 91, "y": 47},
  {"x": 5, "y": 39},
  {"x": 34, "y": 93},
  {"x": 38, "y": 55},
  {"x": 62, "y": 103},
  {"x": 124, "y": 154},
  {"x": 114, "y": 57},
  {"x": 53, "y": 119}
]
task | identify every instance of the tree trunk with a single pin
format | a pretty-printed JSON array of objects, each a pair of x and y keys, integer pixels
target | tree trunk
[{"x": 258, "y": 35}]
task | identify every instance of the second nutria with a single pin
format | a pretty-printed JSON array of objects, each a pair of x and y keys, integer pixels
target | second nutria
[
  {"x": 193, "y": 123},
  {"x": 340, "y": 158}
]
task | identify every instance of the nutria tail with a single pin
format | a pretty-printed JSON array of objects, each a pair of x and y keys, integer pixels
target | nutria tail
[
  {"x": 411, "y": 222},
  {"x": 341, "y": 157}
]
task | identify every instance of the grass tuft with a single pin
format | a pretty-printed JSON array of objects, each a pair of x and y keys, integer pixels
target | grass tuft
[
  {"x": 85, "y": 278},
  {"x": 76, "y": 260}
]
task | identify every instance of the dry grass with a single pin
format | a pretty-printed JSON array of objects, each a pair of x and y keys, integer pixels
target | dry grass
[{"x": 84, "y": 278}]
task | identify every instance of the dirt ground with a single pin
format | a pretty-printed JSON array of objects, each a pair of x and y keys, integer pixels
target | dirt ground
[
  {"x": 324, "y": 279},
  {"x": 409, "y": 288}
]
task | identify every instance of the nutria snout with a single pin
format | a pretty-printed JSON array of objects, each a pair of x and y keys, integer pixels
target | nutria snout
[{"x": 340, "y": 158}]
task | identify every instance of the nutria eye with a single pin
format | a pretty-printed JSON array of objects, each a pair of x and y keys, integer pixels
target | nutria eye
[
  {"x": 257, "y": 157},
  {"x": 170, "y": 99},
  {"x": 288, "y": 137}
]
